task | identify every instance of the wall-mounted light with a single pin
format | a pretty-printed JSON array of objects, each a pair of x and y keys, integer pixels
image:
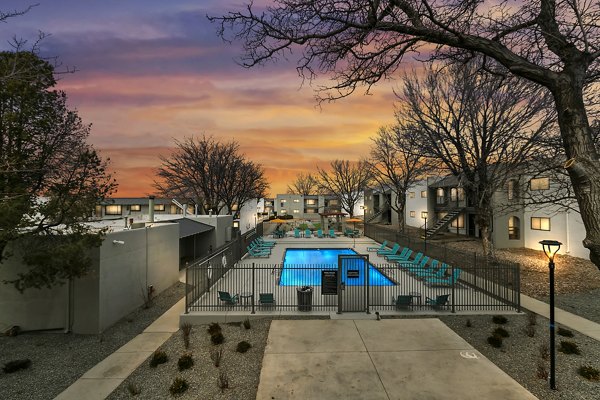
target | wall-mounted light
[
  {"x": 424, "y": 214},
  {"x": 120, "y": 242}
]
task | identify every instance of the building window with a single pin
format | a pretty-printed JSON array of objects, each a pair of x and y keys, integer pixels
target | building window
[
  {"x": 423, "y": 194},
  {"x": 540, "y": 224},
  {"x": 159, "y": 207},
  {"x": 514, "y": 230},
  {"x": 459, "y": 222},
  {"x": 539, "y": 184},
  {"x": 311, "y": 202},
  {"x": 333, "y": 202},
  {"x": 296, "y": 211},
  {"x": 310, "y": 211},
  {"x": 98, "y": 211},
  {"x": 413, "y": 214},
  {"x": 296, "y": 200},
  {"x": 113, "y": 209},
  {"x": 440, "y": 196},
  {"x": 282, "y": 212},
  {"x": 411, "y": 195},
  {"x": 135, "y": 207}
]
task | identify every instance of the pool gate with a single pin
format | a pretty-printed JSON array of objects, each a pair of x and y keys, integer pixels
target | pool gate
[{"x": 352, "y": 296}]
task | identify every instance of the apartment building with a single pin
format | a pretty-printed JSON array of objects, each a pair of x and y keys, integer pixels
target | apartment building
[{"x": 305, "y": 206}]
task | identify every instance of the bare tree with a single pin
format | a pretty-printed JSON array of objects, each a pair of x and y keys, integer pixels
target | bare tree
[
  {"x": 397, "y": 165},
  {"x": 346, "y": 180},
  {"x": 360, "y": 42},
  {"x": 212, "y": 175},
  {"x": 481, "y": 127},
  {"x": 305, "y": 184}
]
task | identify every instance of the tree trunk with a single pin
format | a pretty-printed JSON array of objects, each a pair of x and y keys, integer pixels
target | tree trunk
[{"x": 583, "y": 165}]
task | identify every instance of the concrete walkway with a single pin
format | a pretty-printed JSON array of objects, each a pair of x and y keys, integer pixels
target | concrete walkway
[{"x": 405, "y": 359}]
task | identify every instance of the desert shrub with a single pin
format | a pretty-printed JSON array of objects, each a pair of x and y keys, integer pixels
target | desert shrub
[
  {"x": 133, "y": 389},
  {"x": 158, "y": 357},
  {"x": 178, "y": 386},
  {"x": 568, "y": 347},
  {"x": 217, "y": 338},
  {"x": 542, "y": 370},
  {"x": 530, "y": 330},
  {"x": 185, "y": 362},
  {"x": 499, "y": 319},
  {"x": 243, "y": 347},
  {"x": 565, "y": 332},
  {"x": 223, "y": 380},
  {"x": 216, "y": 355},
  {"x": 589, "y": 372},
  {"x": 468, "y": 324},
  {"x": 247, "y": 323},
  {"x": 16, "y": 365},
  {"x": 531, "y": 319},
  {"x": 544, "y": 350},
  {"x": 186, "y": 330},
  {"x": 503, "y": 333},
  {"x": 213, "y": 328},
  {"x": 495, "y": 341}
]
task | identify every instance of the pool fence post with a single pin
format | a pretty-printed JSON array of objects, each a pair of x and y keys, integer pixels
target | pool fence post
[
  {"x": 366, "y": 266},
  {"x": 253, "y": 270},
  {"x": 339, "y": 284},
  {"x": 453, "y": 285}
]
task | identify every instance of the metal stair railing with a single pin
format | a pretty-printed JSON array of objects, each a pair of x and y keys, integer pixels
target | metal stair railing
[{"x": 444, "y": 222}]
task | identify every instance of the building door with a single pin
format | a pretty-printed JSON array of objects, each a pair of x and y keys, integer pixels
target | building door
[{"x": 471, "y": 223}]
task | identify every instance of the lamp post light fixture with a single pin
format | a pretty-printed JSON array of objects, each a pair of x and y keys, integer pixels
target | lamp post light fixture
[
  {"x": 550, "y": 248},
  {"x": 424, "y": 216}
]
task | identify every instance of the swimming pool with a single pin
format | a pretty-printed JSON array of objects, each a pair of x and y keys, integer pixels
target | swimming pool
[{"x": 303, "y": 267}]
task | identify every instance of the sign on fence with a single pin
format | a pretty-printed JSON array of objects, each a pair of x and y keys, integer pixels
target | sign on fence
[{"x": 329, "y": 282}]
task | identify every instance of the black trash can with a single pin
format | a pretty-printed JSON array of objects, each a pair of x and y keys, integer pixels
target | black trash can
[{"x": 304, "y": 298}]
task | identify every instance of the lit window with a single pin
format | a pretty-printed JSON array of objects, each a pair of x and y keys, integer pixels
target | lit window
[
  {"x": 423, "y": 194},
  {"x": 459, "y": 222},
  {"x": 311, "y": 202},
  {"x": 296, "y": 211},
  {"x": 440, "y": 196},
  {"x": 310, "y": 211},
  {"x": 98, "y": 211},
  {"x": 514, "y": 228},
  {"x": 296, "y": 200},
  {"x": 453, "y": 194},
  {"x": 540, "y": 224},
  {"x": 411, "y": 195},
  {"x": 282, "y": 212},
  {"x": 113, "y": 209},
  {"x": 412, "y": 214},
  {"x": 159, "y": 207},
  {"x": 136, "y": 207},
  {"x": 333, "y": 202},
  {"x": 513, "y": 190},
  {"x": 539, "y": 184}
]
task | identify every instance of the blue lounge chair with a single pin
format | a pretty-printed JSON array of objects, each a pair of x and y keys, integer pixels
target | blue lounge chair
[
  {"x": 447, "y": 281},
  {"x": 403, "y": 256},
  {"x": 228, "y": 299},
  {"x": 332, "y": 234},
  {"x": 439, "y": 301},
  {"x": 409, "y": 263},
  {"x": 261, "y": 240},
  {"x": 425, "y": 269},
  {"x": 420, "y": 266},
  {"x": 320, "y": 234},
  {"x": 262, "y": 243},
  {"x": 382, "y": 247},
  {"x": 297, "y": 233},
  {"x": 393, "y": 251},
  {"x": 266, "y": 299},
  {"x": 402, "y": 302},
  {"x": 433, "y": 274},
  {"x": 307, "y": 233},
  {"x": 258, "y": 253},
  {"x": 258, "y": 247}
]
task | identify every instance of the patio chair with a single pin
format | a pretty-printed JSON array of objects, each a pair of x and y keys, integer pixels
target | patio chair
[
  {"x": 440, "y": 273},
  {"x": 262, "y": 241},
  {"x": 425, "y": 269},
  {"x": 332, "y": 234},
  {"x": 258, "y": 253},
  {"x": 258, "y": 247},
  {"x": 439, "y": 301},
  {"x": 410, "y": 263},
  {"x": 382, "y": 247},
  {"x": 307, "y": 233},
  {"x": 349, "y": 233},
  {"x": 228, "y": 299},
  {"x": 394, "y": 250},
  {"x": 421, "y": 266},
  {"x": 266, "y": 299},
  {"x": 297, "y": 233},
  {"x": 447, "y": 281},
  {"x": 404, "y": 255},
  {"x": 320, "y": 234},
  {"x": 402, "y": 302}
]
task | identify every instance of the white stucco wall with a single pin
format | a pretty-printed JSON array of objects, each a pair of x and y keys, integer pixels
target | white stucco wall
[
  {"x": 222, "y": 224},
  {"x": 248, "y": 217},
  {"x": 417, "y": 204}
]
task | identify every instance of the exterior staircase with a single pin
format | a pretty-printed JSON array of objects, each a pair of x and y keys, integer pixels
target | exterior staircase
[
  {"x": 443, "y": 223},
  {"x": 376, "y": 215}
]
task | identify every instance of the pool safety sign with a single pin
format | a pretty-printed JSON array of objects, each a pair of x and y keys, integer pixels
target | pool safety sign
[
  {"x": 352, "y": 273},
  {"x": 329, "y": 282}
]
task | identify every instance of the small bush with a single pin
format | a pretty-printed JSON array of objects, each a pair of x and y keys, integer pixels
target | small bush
[
  {"x": 216, "y": 355},
  {"x": 223, "y": 380},
  {"x": 495, "y": 341},
  {"x": 217, "y": 338},
  {"x": 503, "y": 333},
  {"x": 133, "y": 389},
  {"x": 531, "y": 319},
  {"x": 247, "y": 323},
  {"x": 565, "y": 332},
  {"x": 186, "y": 330},
  {"x": 530, "y": 330},
  {"x": 214, "y": 328},
  {"x": 542, "y": 370},
  {"x": 499, "y": 319},
  {"x": 544, "y": 350},
  {"x": 568, "y": 347},
  {"x": 468, "y": 324},
  {"x": 158, "y": 357},
  {"x": 185, "y": 362},
  {"x": 589, "y": 373},
  {"x": 16, "y": 365},
  {"x": 178, "y": 386},
  {"x": 243, "y": 347}
]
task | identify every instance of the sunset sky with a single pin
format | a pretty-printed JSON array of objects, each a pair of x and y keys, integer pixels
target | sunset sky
[{"x": 151, "y": 71}]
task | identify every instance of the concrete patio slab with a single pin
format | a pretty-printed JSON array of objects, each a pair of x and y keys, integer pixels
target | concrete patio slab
[
  {"x": 313, "y": 336},
  {"x": 444, "y": 375},
  {"x": 319, "y": 376},
  {"x": 409, "y": 334},
  {"x": 117, "y": 365}
]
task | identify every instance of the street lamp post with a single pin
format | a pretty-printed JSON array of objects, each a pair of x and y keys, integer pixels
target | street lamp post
[
  {"x": 424, "y": 216},
  {"x": 550, "y": 248}
]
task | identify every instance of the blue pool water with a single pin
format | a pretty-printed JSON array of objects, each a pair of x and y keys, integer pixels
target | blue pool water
[{"x": 296, "y": 262}]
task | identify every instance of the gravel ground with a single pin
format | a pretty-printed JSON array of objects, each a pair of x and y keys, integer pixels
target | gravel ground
[
  {"x": 242, "y": 369},
  {"x": 60, "y": 359}
]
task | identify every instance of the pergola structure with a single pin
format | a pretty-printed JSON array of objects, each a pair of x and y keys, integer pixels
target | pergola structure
[{"x": 338, "y": 219}]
